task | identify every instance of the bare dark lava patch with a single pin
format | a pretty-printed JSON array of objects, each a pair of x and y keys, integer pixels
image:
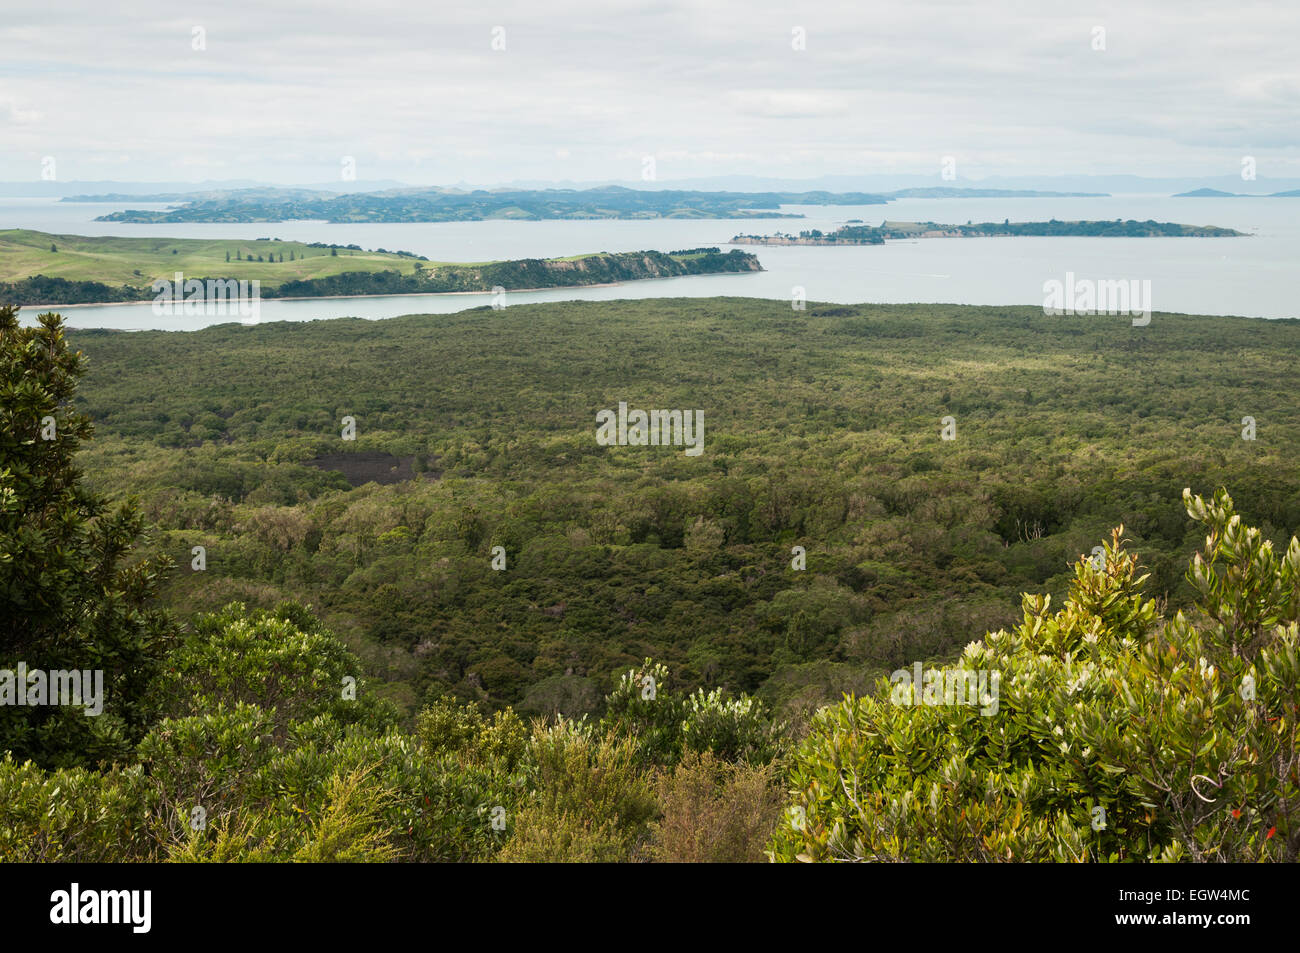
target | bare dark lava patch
[{"x": 371, "y": 466}]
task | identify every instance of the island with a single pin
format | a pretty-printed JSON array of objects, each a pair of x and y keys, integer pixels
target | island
[
  {"x": 845, "y": 235},
  {"x": 424, "y": 204},
  {"x": 452, "y": 205},
  {"x": 47, "y": 269},
  {"x": 877, "y": 235},
  {"x": 1218, "y": 194}
]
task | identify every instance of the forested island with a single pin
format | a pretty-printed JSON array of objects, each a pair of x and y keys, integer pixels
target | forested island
[
  {"x": 264, "y": 204},
  {"x": 876, "y": 235},
  {"x": 42, "y": 268},
  {"x": 461, "y": 204},
  {"x": 846, "y": 235},
  {"x": 450, "y": 205},
  {"x": 1219, "y": 194}
]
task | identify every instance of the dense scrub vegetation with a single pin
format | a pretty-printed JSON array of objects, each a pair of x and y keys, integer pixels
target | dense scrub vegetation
[
  {"x": 638, "y": 681},
  {"x": 822, "y": 431},
  {"x": 44, "y": 289}
]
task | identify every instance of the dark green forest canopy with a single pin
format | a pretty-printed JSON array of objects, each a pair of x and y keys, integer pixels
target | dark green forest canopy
[{"x": 822, "y": 431}]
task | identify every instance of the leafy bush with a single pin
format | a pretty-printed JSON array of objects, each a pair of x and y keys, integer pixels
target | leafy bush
[
  {"x": 281, "y": 661},
  {"x": 349, "y": 829},
  {"x": 733, "y": 728},
  {"x": 71, "y": 815},
  {"x": 1119, "y": 735},
  {"x": 589, "y": 799},
  {"x": 666, "y": 723},
  {"x": 642, "y": 707}
]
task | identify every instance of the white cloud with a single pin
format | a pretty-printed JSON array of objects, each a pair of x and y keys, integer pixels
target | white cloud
[
  {"x": 17, "y": 114},
  {"x": 415, "y": 92}
]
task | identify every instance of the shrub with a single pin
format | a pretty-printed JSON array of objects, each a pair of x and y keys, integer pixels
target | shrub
[
  {"x": 714, "y": 811},
  {"x": 541, "y": 837},
  {"x": 281, "y": 661},
  {"x": 1119, "y": 734},
  {"x": 642, "y": 707},
  {"x": 665, "y": 723},
  {"x": 734, "y": 729},
  {"x": 589, "y": 799},
  {"x": 72, "y": 815}
]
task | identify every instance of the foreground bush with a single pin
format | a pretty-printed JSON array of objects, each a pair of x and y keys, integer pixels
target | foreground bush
[
  {"x": 1119, "y": 735},
  {"x": 75, "y": 593},
  {"x": 714, "y": 811},
  {"x": 590, "y": 801},
  {"x": 269, "y": 750}
]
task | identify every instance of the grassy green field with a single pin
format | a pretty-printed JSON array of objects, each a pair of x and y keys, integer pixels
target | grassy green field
[
  {"x": 138, "y": 261},
  {"x": 37, "y": 268}
]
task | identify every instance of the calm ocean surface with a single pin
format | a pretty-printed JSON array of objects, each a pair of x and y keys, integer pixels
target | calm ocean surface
[{"x": 1255, "y": 276}]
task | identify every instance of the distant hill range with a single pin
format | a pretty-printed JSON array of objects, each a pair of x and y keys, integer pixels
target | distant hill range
[
  {"x": 882, "y": 184},
  {"x": 451, "y": 205},
  {"x": 947, "y": 192},
  {"x": 269, "y": 193},
  {"x": 1216, "y": 194},
  {"x": 271, "y": 204}
]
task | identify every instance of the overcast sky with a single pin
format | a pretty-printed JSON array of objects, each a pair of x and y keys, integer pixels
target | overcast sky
[{"x": 584, "y": 90}]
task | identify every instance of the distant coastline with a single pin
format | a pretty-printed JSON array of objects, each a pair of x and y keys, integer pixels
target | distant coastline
[
  {"x": 276, "y": 205},
  {"x": 1216, "y": 194},
  {"x": 852, "y": 234}
]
